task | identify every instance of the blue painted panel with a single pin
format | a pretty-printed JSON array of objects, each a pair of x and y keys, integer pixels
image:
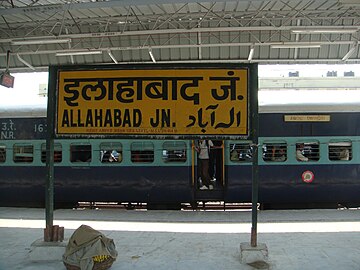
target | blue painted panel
[
  {"x": 23, "y": 129},
  {"x": 284, "y": 184},
  {"x": 144, "y": 184},
  {"x": 22, "y": 184},
  {"x": 341, "y": 124}
]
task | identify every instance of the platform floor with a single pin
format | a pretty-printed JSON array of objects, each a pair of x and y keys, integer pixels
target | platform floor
[{"x": 182, "y": 240}]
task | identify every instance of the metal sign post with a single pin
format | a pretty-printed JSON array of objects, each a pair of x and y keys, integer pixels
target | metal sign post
[
  {"x": 51, "y": 232},
  {"x": 255, "y": 167},
  {"x": 49, "y": 196},
  {"x": 254, "y": 198},
  {"x": 254, "y": 252}
]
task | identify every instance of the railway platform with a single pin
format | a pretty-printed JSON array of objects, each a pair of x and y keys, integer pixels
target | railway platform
[{"x": 296, "y": 239}]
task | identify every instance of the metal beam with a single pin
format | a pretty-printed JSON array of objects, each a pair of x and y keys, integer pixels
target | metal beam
[
  {"x": 350, "y": 52},
  {"x": 172, "y": 46},
  {"x": 167, "y": 31},
  {"x": 24, "y": 62},
  {"x": 112, "y": 56},
  {"x": 160, "y": 32},
  {"x": 260, "y": 61},
  {"x": 100, "y": 4}
]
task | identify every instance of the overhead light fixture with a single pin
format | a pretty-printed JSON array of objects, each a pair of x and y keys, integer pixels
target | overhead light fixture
[
  {"x": 72, "y": 53},
  {"x": 151, "y": 55},
  {"x": 39, "y": 41},
  {"x": 112, "y": 56},
  {"x": 294, "y": 46},
  {"x": 24, "y": 62},
  {"x": 350, "y": 52},
  {"x": 251, "y": 53},
  {"x": 325, "y": 30}
]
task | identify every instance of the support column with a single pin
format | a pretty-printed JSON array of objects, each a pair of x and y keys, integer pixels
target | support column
[{"x": 254, "y": 252}]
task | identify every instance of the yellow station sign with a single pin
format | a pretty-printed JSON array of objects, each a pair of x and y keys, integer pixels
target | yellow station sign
[{"x": 157, "y": 101}]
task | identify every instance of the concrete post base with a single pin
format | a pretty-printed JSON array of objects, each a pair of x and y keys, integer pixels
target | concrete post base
[
  {"x": 47, "y": 251},
  {"x": 249, "y": 254}
]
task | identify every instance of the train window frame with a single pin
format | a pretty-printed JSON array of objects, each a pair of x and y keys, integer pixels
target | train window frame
[
  {"x": 58, "y": 153},
  {"x": 305, "y": 155},
  {"x": 340, "y": 151},
  {"x": 275, "y": 151},
  {"x": 2, "y": 153},
  {"x": 174, "y": 152},
  {"x": 111, "y": 153},
  {"x": 240, "y": 152},
  {"x": 142, "y": 152},
  {"x": 84, "y": 158},
  {"x": 23, "y": 153}
]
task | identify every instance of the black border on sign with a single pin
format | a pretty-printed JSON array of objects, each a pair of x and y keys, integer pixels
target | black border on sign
[{"x": 252, "y": 105}]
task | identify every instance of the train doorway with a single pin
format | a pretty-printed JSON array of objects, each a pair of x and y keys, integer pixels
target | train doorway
[{"x": 208, "y": 170}]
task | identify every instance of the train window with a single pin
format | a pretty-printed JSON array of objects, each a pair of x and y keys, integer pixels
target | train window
[
  {"x": 174, "y": 152},
  {"x": 2, "y": 153},
  {"x": 274, "y": 152},
  {"x": 142, "y": 152},
  {"x": 340, "y": 151},
  {"x": 23, "y": 153},
  {"x": 110, "y": 152},
  {"x": 57, "y": 153},
  {"x": 308, "y": 151},
  {"x": 80, "y": 152},
  {"x": 240, "y": 152}
]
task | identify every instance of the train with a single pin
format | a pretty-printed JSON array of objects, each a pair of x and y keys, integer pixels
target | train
[{"x": 321, "y": 126}]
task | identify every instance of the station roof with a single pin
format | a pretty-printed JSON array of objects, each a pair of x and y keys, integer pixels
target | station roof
[{"x": 38, "y": 33}]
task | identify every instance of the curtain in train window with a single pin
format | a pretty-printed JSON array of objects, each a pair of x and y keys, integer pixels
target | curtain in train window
[
  {"x": 307, "y": 151},
  {"x": 274, "y": 151},
  {"x": 240, "y": 152},
  {"x": 340, "y": 150},
  {"x": 23, "y": 153},
  {"x": 111, "y": 152},
  {"x": 174, "y": 151},
  {"x": 2, "y": 153},
  {"x": 80, "y": 152},
  {"x": 57, "y": 153},
  {"x": 142, "y": 152}
]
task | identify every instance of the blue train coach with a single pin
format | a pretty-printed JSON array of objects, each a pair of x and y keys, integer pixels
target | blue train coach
[{"x": 309, "y": 156}]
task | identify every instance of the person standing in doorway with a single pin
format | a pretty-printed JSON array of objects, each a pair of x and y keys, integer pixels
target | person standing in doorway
[
  {"x": 215, "y": 161},
  {"x": 203, "y": 149}
]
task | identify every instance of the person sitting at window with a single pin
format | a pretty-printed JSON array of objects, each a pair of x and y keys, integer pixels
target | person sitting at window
[
  {"x": 344, "y": 154},
  {"x": 278, "y": 154},
  {"x": 299, "y": 153},
  {"x": 115, "y": 156},
  {"x": 234, "y": 156}
]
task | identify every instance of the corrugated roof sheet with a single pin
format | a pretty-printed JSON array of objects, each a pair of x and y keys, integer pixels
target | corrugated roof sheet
[{"x": 177, "y": 31}]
